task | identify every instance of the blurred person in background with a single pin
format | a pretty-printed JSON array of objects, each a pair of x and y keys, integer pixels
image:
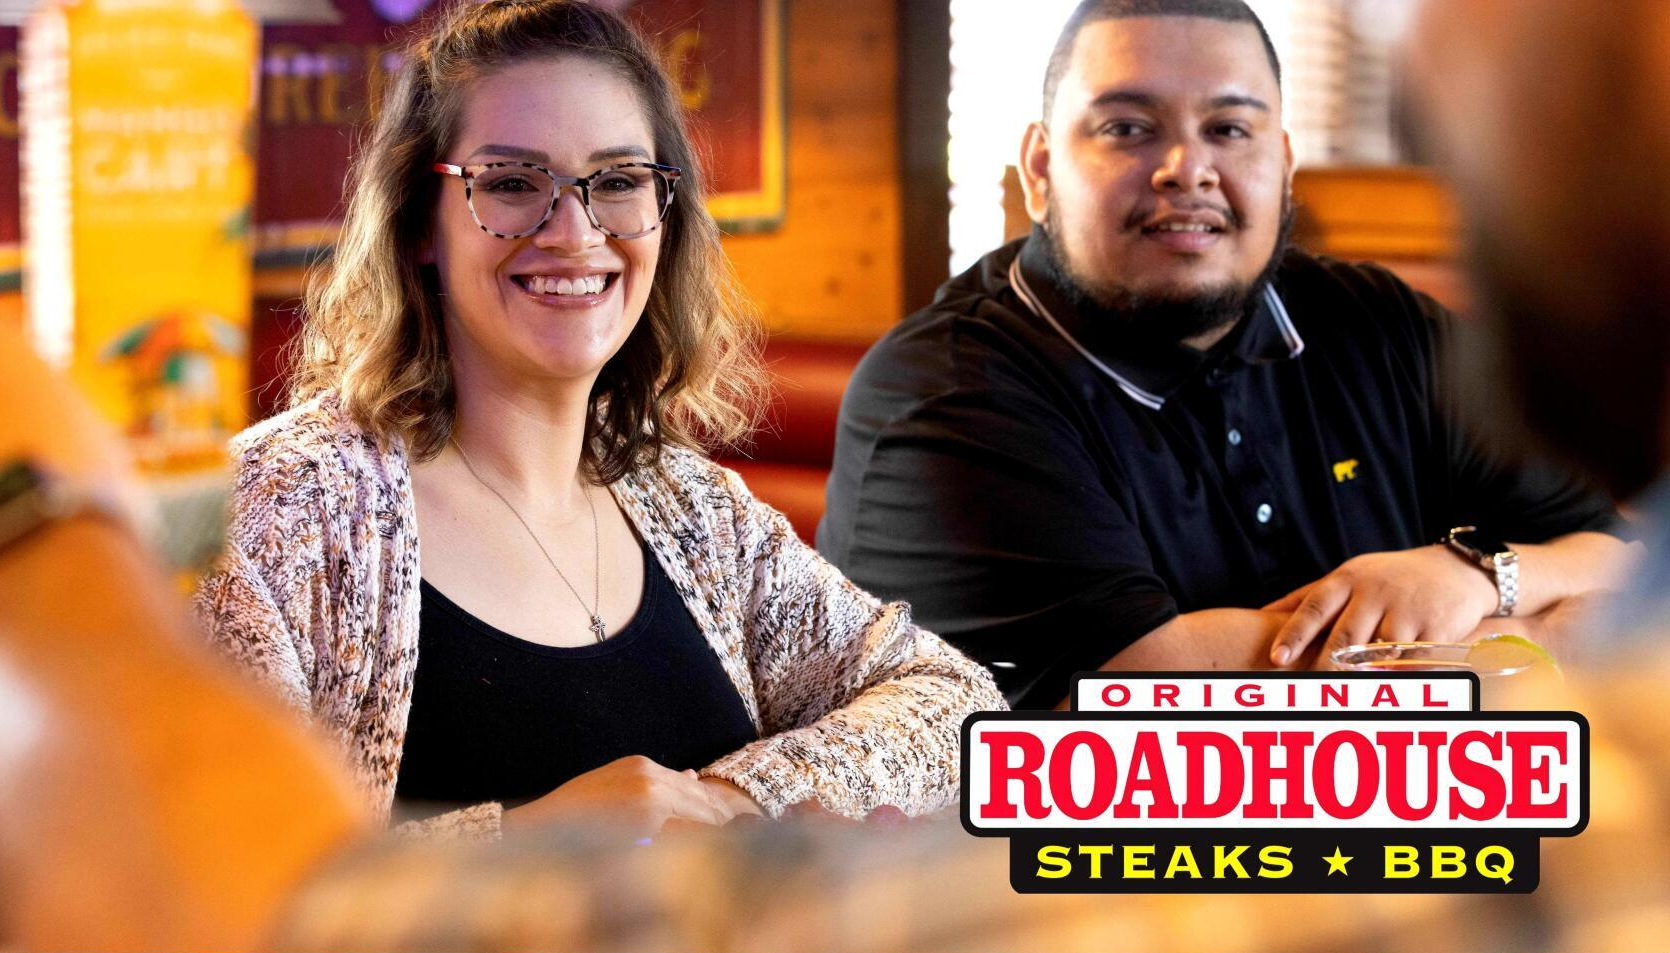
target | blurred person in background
[
  {"x": 480, "y": 550},
  {"x": 1154, "y": 436},
  {"x": 1550, "y": 121}
]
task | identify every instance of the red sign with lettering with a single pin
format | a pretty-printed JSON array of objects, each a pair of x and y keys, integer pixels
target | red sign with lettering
[{"x": 320, "y": 84}]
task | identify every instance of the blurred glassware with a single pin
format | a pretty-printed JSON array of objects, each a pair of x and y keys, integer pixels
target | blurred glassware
[{"x": 1496, "y": 659}]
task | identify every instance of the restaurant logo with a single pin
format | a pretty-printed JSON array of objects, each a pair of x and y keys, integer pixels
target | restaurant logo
[{"x": 1275, "y": 783}]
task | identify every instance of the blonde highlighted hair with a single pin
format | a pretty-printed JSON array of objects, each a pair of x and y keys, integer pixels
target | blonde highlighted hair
[{"x": 687, "y": 375}]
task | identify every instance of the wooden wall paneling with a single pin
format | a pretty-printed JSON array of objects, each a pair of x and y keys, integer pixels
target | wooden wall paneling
[
  {"x": 833, "y": 269},
  {"x": 1015, "y": 220},
  {"x": 1403, "y": 217},
  {"x": 1374, "y": 212},
  {"x": 924, "y": 119}
]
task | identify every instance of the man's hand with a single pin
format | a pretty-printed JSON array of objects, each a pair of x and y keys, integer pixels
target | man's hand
[
  {"x": 1417, "y": 595},
  {"x": 730, "y": 797}
]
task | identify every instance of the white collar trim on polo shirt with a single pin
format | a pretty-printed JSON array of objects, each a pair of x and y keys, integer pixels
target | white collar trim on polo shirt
[{"x": 1290, "y": 334}]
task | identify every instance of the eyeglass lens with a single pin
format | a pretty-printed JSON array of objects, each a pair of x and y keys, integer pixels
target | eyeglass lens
[{"x": 513, "y": 199}]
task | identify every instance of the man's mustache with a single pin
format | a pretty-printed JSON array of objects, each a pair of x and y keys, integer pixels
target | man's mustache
[{"x": 1140, "y": 218}]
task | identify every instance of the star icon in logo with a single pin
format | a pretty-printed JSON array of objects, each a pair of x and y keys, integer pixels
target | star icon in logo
[{"x": 1336, "y": 863}]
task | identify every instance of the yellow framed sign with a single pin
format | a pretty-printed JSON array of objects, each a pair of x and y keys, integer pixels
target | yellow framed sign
[{"x": 136, "y": 188}]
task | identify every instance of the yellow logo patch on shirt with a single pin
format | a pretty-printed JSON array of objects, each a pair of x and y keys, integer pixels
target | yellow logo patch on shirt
[{"x": 1345, "y": 470}]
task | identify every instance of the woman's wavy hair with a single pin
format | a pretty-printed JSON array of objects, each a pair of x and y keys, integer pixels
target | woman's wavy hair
[{"x": 687, "y": 375}]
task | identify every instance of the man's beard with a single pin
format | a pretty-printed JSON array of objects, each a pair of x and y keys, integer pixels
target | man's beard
[{"x": 1161, "y": 317}]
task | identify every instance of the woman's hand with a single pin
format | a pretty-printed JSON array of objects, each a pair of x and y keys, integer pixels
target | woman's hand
[
  {"x": 638, "y": 797},
  {"x": 734, "y": 799}
]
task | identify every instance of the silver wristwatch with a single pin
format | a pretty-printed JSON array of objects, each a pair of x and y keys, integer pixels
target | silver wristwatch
[{"x": 1494, "y": 557}]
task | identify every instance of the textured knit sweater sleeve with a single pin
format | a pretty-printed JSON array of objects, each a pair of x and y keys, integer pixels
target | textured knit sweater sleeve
[
  {"x": 859, "y": 708},
  {"x": 260, "y": 606},
  {"x": 308, "y": 590}
]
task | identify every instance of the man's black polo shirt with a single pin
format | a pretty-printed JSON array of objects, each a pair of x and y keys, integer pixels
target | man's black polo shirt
[{"x": 1044, "y": 494}]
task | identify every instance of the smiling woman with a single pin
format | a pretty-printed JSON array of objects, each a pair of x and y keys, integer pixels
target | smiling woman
[
  {"x": 482, "y": 548},
  {"x": 487, "y": 88}
]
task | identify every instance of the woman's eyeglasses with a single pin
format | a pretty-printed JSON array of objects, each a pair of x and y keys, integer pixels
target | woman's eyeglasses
[{"x": 516, "y": 199}]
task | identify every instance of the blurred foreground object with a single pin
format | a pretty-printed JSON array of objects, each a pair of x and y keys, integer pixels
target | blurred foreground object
[
  {"x": 137, "y": 181},
  {"x": 1548, "y": 118},
  {"x": 1570, "y": 245},
  {"x": 927, "y": 886},
  {"x": 146, "y": 800}
]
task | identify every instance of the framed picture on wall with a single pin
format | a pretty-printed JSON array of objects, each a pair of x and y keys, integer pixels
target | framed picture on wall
[
  {"x": 320, "y": 84},
  {"x": 728, "y": 61}
]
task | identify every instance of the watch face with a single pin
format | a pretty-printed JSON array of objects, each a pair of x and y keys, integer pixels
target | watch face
[{"x": 1485, "y": 543}]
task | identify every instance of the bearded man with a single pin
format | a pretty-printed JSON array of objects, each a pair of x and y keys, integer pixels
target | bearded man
[{"x": 1151, "y": 435}]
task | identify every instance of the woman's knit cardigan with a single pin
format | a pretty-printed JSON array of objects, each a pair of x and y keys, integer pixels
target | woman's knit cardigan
[{"x": 317, "y": 594}]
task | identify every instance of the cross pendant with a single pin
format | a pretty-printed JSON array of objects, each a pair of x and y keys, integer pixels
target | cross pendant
[{"x": 596, "y": 627}]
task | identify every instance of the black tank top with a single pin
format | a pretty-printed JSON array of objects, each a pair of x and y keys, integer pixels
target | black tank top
[{"x": 498, "y": 718}]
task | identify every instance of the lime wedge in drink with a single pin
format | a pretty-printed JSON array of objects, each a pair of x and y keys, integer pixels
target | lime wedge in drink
[
  {"x": 1516, "y": 673},
  {"x": 1509, "y": 654}
]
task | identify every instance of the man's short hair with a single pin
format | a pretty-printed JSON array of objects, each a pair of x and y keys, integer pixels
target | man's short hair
[{"x": 1095, "y": 11}]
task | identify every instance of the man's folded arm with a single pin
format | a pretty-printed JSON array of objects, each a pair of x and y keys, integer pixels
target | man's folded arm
[{"x": 1226, "y": 639}]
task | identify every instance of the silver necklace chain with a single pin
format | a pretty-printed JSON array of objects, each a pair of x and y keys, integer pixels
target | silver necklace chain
[{"x": 596, "y": 625}]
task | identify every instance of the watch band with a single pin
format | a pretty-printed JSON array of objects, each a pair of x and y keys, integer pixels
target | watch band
[
  {"x": 1506, "y": 566},
  {"x": 1502, "y": 566}
]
